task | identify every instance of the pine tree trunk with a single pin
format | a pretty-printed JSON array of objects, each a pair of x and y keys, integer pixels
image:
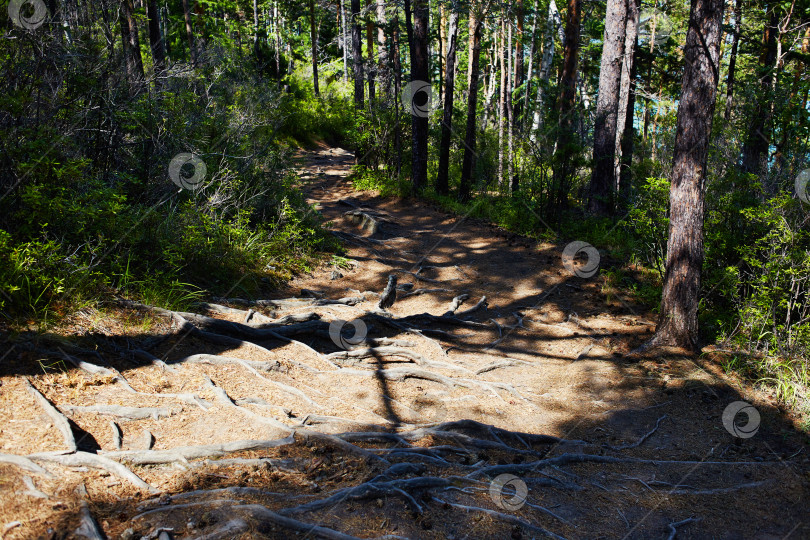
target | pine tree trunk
[
  {"x": 628, "y": 136},
  {"x": 510, "y": 84},
  {"x": 156, "y": 37},
  {"x": 732, "y": 61},
  {"x": 532, "y": 45},
  {"x": 442, "y": 22},
  {"x": 519, "y": 61},
  {"x": 472, "y": 106},
  {"x": 553, "y": 25},
  {"x": 345, "y": 41},
  {"x": 755, "y": 149},
  {"x": 501, "y": 104},
  {"x": 313, "y": 36},
  {"x": 442, "y": 182},
  {"x": 371, "y": 71},
  {"x": 382, "y": 48},
  {"x": 192, "y": 52},
  {"x": 420, "y": 72},
  {"x": 397, "y": 91},
  {"x": 625, "y": 81},
  {"x": 132, "y": 46},
  {"x": 566, "y": 141},
  {"x": 678, "y": 322},
  {"x": 603, "y": 178},
  {"x": 357, "y": 55}
]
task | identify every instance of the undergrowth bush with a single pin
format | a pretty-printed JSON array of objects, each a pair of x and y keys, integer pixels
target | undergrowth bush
[{"x": 107, "y": 218}]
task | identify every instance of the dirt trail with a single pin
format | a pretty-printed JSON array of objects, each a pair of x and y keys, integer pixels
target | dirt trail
[{"x": 248, "y": 421}]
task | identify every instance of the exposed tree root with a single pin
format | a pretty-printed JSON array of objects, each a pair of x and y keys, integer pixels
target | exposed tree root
[
  {"x": 378, "y": 352},
  {"x": 641, "y": 440},
  {"x": 85, "y": 459},
  {"x": 673, "y": 527},
  {"x": 59, "y": 420},
  {"x": 32, "y": 490},
  {"x": 417, "y": 292},
  {"x": 24, "y": 463},
  {"x": 182, "y": 454},
  {"x": 265, "y": 518},
  {"x": 509, "y": 518},
  {"x": 223, "y": 398},
  {"x": 221, "y": 360},
  {"x": 126, "y": 413}
]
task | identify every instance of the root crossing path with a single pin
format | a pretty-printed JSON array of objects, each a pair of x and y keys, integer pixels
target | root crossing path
[{"x": 493, "y": 399}]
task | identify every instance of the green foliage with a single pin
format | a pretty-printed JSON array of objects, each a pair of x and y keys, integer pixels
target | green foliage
[{"x": 108, "y": 219}]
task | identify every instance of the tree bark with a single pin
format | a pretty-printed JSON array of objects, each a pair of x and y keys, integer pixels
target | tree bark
[
  {"x": 625, "y": 82},
  {"x": 472, "y": 106},
  {"x": 419, "y": 72},
  {"x": 357, "y": 55},
  {"x": 313, "y": 36},
  {"x": 345, "y": 41},
  {"x": 156, "y": 37},
  {"x": 371, "y": 71},
  {"x": 755, "y": 149},
  {"x": 382, "y": 48},
  {"x": 192, "y": 52},
  {"x": 678, "y": 322},
  {"x": 566, "y": 141},
  {"x": 603, "y": 178},
  {"x": 501, "y": 103},
  {"x": 628, "y": 136},
  {"x": 532, "y": 44},
  {"x": 553, "y": 25},
  {"x": 132, "y": 46},
  {"x": 442, "y": 182},
  {"x": 732, "y": 61},
  {"x": 519, "y": 71}
]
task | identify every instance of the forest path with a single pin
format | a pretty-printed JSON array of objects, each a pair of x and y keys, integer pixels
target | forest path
[{"x": 255, "y": 419}]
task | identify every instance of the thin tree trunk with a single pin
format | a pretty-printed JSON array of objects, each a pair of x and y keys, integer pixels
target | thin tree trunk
[
  {"x": 628, "y": 136},
  {"x": 313, "y": 36},
  {"x": 345, "y": 41},
  {"x": 132, "y": 46},
  {"x": 420, "y": 73},
  {"x": 442, "y": 182},
  {"x": 510, "y": 83},
  {"x": 397, "y": 91},
  {"x": 442, "y": 48},
  {"x": 501, "y": 104},
  {"x": 192, "y": 52},
  {"x": 565, "y": 141},
  {"x": 472, "y": 106},
  {"x": 678, "y": 322},
  {"x": 371, "y": 72},
  {"x": 156, "y": 37},
  {"x": 256, "y": 28},
  {"x": 553, "y": 25},
  {"x": 382, "y": 48},
  {"x": 357, "y": 55},
  {"x": 755, "y": 149},
  {"x": 519, "y": 68},
  {"x": 732, "y": 61},
  {"x": 532, "y": 45},
  {"x": 626, "y": 80},
  {"x": 600, "y": 195}
]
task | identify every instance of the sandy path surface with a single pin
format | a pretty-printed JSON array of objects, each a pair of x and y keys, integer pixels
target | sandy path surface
[{"x": 421, "y": 420}]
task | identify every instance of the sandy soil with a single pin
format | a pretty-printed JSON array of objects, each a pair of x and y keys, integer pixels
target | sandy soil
[{"x": 547, "y": 356}]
